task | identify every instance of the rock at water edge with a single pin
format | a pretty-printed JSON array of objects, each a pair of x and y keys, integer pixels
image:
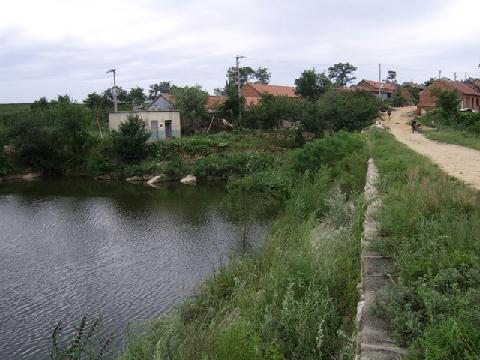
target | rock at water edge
[{"x": 189, "y": 180}]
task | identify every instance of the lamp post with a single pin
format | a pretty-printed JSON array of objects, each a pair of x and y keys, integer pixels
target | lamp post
[{"x": 114, "y": 90}]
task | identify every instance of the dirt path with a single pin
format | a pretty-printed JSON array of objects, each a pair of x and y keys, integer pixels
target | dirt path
[{"x": 458, "y": 161}]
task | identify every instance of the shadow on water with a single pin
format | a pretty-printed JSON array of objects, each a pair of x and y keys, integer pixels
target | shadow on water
[{"x": 125, "y": 251}]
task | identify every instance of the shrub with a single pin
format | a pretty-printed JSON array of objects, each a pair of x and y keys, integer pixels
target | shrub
[
  {"x": 229, "y": 164},
  {"x": 350, "y": 111},
  {"x": 129, "y": 143},
  {"x": 344, "y": 152}
]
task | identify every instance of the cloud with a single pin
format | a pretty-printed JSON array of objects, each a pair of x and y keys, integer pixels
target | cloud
[{"x": 65, "y": 46}]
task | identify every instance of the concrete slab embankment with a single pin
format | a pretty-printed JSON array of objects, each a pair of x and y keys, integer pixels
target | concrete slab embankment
[{"x": 373, "y": 341}]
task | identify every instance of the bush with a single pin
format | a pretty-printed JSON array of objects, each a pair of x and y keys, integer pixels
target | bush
[
  {"x": 230, "y": 164},
  {"x": 344, "y": 152},
  {"x": 130, "y": 142},
  {"x": 350, "y": 111}
]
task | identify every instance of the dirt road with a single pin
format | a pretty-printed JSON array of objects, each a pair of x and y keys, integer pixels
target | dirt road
[{"x": 458, "y": 161}]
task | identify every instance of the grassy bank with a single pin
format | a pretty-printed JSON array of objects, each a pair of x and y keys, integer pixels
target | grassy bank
[
  {"x": 457, "y": 137},
  {"x": 430, "y": 225},
  {"x": 294, "y": 297},
  {"x": 460, "y": 129}
]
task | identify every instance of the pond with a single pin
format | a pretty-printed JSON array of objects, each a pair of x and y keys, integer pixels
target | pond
[{"x": 127, "y": 252}]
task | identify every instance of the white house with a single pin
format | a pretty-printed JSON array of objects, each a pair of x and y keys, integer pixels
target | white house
[{"x": 161, "y": 124}]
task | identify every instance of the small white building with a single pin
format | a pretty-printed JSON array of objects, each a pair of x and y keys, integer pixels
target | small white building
[{"x": 161, "y": 124}]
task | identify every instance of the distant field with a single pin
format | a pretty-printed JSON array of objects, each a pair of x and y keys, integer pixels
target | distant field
[{"x": 14, "y": 107}]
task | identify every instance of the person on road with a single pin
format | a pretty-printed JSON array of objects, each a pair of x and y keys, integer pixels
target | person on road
[
  {"x": 389, "y": 112},
  {"x": 414, "y": 125}
]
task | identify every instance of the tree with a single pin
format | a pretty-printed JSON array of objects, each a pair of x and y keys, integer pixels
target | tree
[
  {"x": 122, "y": 95},
  {"x": 159, "y": 88},
  {"x": 271, "y": 110},
  {"x": 40, "y": 104},
  {"x": 429, "y": 82},
  {"x": 311, "y": 85},
  {"x": 130, "y": 142},
  {"x": 448, "y": 101},
  {"x": 261, "y": 75},
  {"x": 391, "y": 77},
  {"x": 190, "y": 100},
  {"x": 99, "y": 104},
  {"x": 136, "y": 96},
  {"x": 341, "y": 73}
]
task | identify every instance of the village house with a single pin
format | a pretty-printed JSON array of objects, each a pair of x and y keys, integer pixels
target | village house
[
  {"x": 166, "y": 102},
  {"x": 160, "y": 124},
  {"x": 163, "y": 102},
  {"x": 381, "y": 90},
  {"x": 252, "y": 92},
  {"x": 469, "y": 95}
]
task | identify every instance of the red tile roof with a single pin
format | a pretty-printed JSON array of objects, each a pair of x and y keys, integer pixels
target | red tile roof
[
  {"x": 463, "y": 88},
  {"x": 376, "y": 85},
  {"x": 276, "y": 90},
  {"x": 214, "y": 102},
  {"x": 169, "y": 97}
]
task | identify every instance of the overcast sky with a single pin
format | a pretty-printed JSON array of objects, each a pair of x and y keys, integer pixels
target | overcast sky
[{"x": 50, "y": 47}]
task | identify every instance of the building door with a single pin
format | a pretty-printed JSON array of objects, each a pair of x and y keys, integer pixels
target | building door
[
  {"x": 154, "y": 135},
  {"x": 168, "y": 128}
]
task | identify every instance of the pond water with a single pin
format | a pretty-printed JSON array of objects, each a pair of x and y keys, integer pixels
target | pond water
[{"x": 123, "y": 251}]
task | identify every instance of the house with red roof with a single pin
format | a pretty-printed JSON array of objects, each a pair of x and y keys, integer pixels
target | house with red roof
[
  {"x": 252, "y": 92},
  {"x": 382, "y": 90},
  {"x": 166, "y": 102},
  {"x": 469, "y": 95}
]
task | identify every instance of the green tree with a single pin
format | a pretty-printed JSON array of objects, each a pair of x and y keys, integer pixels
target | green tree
[
  {"x": 429, "y": 82},
  {"x": 99, "y": 105},
  {"x": 448, "y": 101},
  {"x": 261, "y": 75},
  {"x": 391, "y": 77},
  {"x": 159, "y": 88},
  {"x": 351, "y": 111},
  {"x": 40, "y": 104},
  {"x": 130, "y": 142},
  {"x": 191, "y": 101},
  {"x": 311, "y": 85},
  {"x": 122, "y": 95},
  {"x": 341, "y": 73},
  {"x": 37, "y": 147},
  {"x": 271, "y": 110},
  {"x": 136, "y": 96}
]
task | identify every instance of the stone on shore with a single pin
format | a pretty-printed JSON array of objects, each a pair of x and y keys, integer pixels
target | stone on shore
[
  {"x": 157, "y": 179},
  {"x": 135, "y": 178},
  {"x": 189, "y": 180}
]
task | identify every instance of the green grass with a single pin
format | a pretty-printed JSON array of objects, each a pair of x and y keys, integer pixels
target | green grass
[
  {"x": 292, "y": 298},
  {"x": 455, "y": 137},
  {"x": 14, "y": 108},
  {"x": 430, "y": 225}
]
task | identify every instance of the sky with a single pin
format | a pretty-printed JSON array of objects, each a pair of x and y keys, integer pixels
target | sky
[{"x": 52, "y": 47}]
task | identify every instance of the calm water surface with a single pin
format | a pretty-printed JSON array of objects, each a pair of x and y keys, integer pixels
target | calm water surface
[{"x": 125, "y": 252}]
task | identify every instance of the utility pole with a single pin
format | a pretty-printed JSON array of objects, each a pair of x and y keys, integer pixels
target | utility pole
[
  {"x": 237, "y": 64},
  {"x": 439, "y": 74},
  {"x": 379, "y": 80},
  {"x": 114, "y": 90},
  {"x": 455, "y": 76}
]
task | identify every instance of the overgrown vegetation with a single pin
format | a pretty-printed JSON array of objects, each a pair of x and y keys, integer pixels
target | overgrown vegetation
[
  {"x": 323, "y": 113},
  {"x": 285, "y": 299},
  {"x": 430, "y": 225},
  {"x": 450, "y": 125}
]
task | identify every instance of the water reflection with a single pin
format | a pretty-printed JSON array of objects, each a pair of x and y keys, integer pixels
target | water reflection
[{"x": 128, "y": 252}]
